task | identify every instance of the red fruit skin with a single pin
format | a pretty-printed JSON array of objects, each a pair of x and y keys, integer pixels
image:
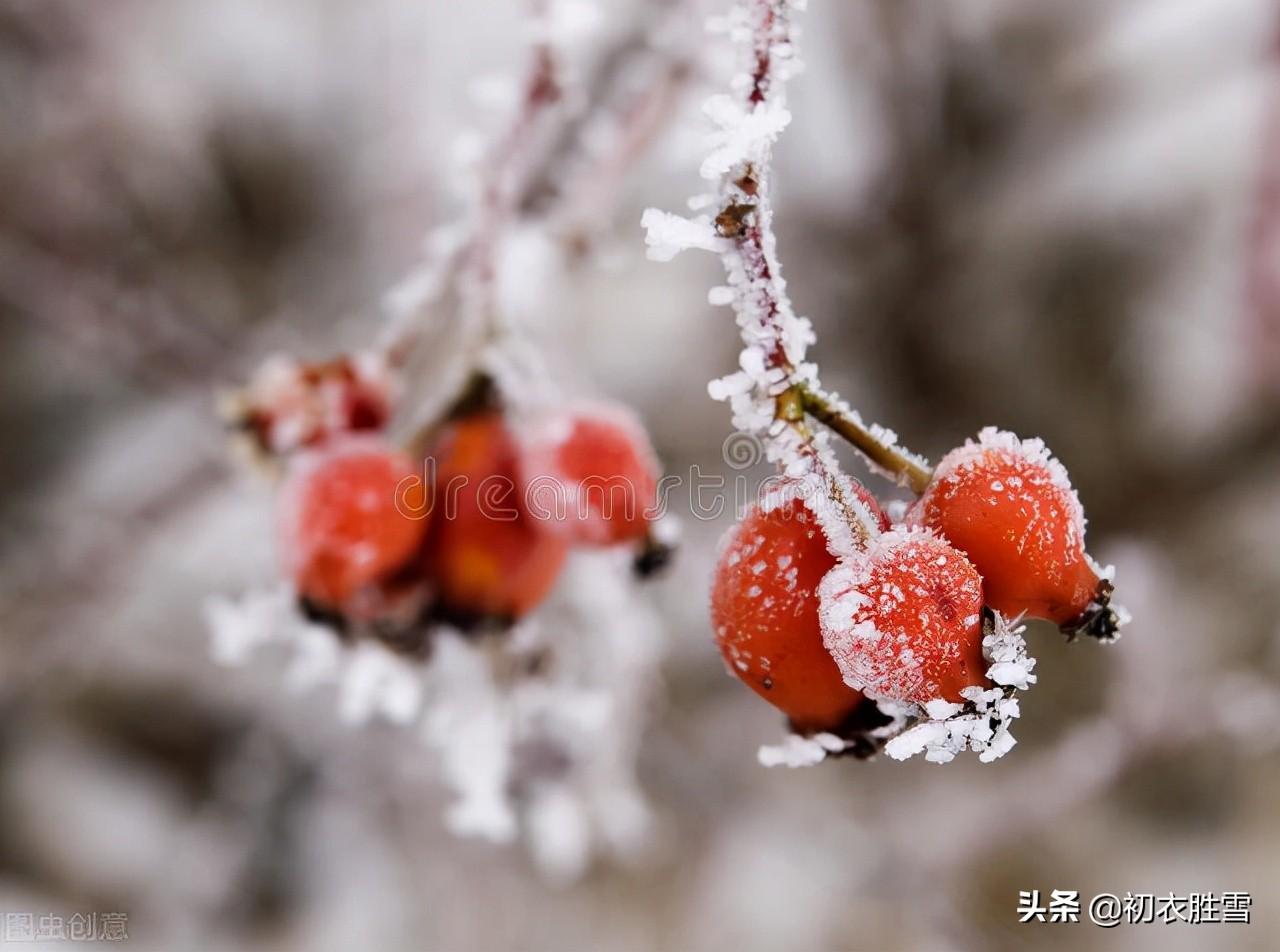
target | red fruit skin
[
  {"x": 904, "y": 619},
  {"x": 1012, "y": 512},
  {"x": 764, "y": 612},
  {"x": 592, "y": 475},
  {"x": 487, "y": 557},
  {"x": 341, "y": 528}
]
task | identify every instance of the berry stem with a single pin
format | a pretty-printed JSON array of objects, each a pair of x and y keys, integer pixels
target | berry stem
[{"x": 904, "y": 467}]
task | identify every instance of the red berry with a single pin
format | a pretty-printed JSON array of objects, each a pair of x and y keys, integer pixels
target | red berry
[
  {"x": 764, "y": 609},
  {"x": 903, "y": 619},
  {"x": 486, "y": 555},
  {"x": 1009, "y": 506},
  {"x": 342, "y": 530},
  {"x": 591, "y": 474}
]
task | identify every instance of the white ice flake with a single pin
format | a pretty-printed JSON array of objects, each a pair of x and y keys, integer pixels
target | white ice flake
[
  {"x": 918, "y": 739},
  {"x": 548, "y": 757},
  {"x": 667, "y": 235},
  {"x": 742, "y": 137},
  {"x": 797, "y": 751},
  {"x": 982, "y": 723},
  {"x": 239, "y": 628},
  {"x": 377, "y": 683}
]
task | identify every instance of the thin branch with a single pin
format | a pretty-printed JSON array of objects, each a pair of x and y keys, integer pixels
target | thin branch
[
  {"x": 774, "y": 337},
  {"x": 885, "y": 455}
]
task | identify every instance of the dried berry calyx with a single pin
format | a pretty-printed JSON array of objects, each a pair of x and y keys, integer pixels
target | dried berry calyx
[
  {"x": 290, "y": 404},
  {"x": 1010, "y": 507},
  {"x": 1100, "y": 619}
]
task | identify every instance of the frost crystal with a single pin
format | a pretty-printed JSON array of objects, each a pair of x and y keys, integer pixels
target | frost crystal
[
  {"x": 797, "y": 751},
  {"x": 775, "y": 339},
  {"x": 547, "y": 756},
  {"x": 667, "y": 235},
  {"x": 743, "y": 137},
  {"x": 982, "y": 724}
]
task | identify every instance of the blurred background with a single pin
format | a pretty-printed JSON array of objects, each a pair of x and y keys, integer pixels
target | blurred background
[{"x": 1062, "y": 219}]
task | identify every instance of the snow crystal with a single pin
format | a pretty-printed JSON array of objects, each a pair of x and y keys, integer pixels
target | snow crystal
[
  {"x": 667, "y": 235},
  {"x": 585, "y": 705},
  {"x": 239, "y": 628},
  {"x": 797, "y": 751},
  {"x": 940, "y": 710},
  {"x": 916, "y": 740},
  {"x": 375, "y": 683},
  {"x": 1011, "y": 673},
  {"x": 316, "y": 660},
  {"x": 720, "y": 296},
  {"x": 1000, "y": 745},
  {"x": 559, "y": 834},
  {"x": 982, "y": 724},
  {"x": 743, "y": 137}
]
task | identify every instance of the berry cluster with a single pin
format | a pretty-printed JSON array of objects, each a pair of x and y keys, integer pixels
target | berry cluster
[
  {"x": 473, "y": 530},
  {"x": 851, "y": 625},
  {"x": 909, "y": 615}
]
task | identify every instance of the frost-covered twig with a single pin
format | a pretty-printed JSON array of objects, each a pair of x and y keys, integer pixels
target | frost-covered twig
[
  {"x": 448, "y": 304},
  {"x": 448, "y": 308},
  {"x": 768, "y": 394},
  {"x": 630, "y": 135}
]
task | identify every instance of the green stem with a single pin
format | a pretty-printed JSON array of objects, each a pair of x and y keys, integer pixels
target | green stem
[{"x": 909, "y": 471}]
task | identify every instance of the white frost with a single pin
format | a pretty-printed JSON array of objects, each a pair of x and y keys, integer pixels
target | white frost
[
  {"x": 797, "y": 751},
  {"x": 667, "y": 235}
]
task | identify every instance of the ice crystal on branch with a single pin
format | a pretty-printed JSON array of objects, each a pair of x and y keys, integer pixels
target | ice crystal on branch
[{"x": 775, "y": 339}]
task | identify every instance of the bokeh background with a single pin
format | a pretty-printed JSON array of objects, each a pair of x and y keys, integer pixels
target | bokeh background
[{"x": 1055, "y": 217}]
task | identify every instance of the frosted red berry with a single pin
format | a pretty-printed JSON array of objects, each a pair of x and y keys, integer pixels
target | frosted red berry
[
  {"x": 342, "y": 531},
  {"x": 590, "y": 474},
  {"x": 903, "y": 619},
  {"x": 764, "y": 611},
  {"x": 1009, "y": 506},
  {"x": 487, "y": 557}
]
